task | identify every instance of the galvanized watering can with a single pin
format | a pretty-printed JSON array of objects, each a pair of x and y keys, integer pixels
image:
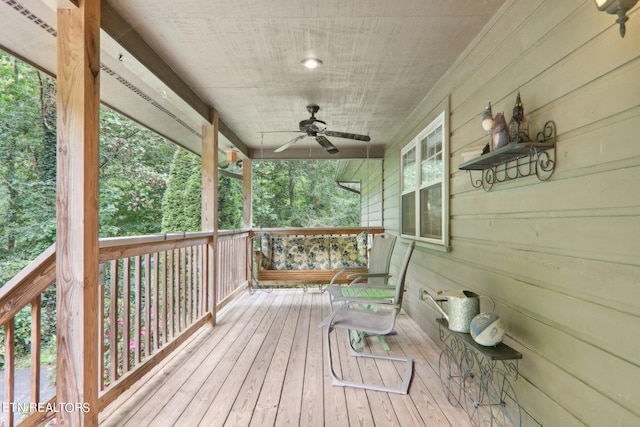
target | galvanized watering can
[{"x": 462, "y": 307}]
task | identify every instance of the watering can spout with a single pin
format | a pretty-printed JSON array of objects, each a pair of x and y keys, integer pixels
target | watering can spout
[{"x": 435, "y": 302}]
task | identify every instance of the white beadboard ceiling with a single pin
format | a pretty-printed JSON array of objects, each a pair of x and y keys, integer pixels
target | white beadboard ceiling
[{"x": 242, "y": 57}]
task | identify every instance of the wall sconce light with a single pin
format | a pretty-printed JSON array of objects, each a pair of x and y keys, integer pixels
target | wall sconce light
[
  {"x": 617, "y": 7},
  {"x": 232, "y": 156},
  {"x": 230, "y": 161}
]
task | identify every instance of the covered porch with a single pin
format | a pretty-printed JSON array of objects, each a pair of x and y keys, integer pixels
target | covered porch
[{"x": 559, "y": 256}]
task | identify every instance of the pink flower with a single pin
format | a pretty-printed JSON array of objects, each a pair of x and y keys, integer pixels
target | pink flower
[{"x": 132, "y": 345}]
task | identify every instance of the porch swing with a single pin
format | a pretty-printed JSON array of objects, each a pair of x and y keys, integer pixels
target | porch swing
[{"x": 307, "y": 256}]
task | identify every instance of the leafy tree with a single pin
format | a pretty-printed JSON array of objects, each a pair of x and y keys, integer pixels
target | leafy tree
[
  {"x": 27, "y": 204},
  {"x": 229, "y": 202},
  {"x": 181, "y": 205},
  {"x": 134, "y": 168},
  {"x": 301, "y": 194},
  {"x": 182, "y": 202}
]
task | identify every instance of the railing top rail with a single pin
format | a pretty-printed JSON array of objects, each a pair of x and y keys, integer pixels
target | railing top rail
[
  {"x": 25, "y": 286},
  {"x": 110, "y": 242},
  {"x": 318, "y": 230}
]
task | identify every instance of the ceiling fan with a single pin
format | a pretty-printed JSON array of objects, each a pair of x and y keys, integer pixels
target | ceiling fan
[{"x": 318, "y": 129}]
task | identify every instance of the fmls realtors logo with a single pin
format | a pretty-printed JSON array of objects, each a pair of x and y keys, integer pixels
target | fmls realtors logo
[{"x": 55, "y": 407}]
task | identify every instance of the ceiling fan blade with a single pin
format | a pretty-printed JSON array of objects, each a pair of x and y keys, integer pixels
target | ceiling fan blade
[
  {"x": 326, "y": 144},
  {"x": 348, "y": 135},
  {"x": 289, "y": 144}
]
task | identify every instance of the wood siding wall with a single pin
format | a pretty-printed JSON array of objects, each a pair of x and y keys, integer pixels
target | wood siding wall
[
  {"x": 561, "y": 259},
  {"x": 371, "y": 196}
]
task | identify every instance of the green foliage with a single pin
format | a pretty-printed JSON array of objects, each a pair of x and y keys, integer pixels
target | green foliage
[
  {"x": 301, "y": 194},
  {"x": 181, "y": 205},
  {"x": 229, "y": 203},
  {"x": 24, "y": 231},
  {"x": 134, "y": 167}
]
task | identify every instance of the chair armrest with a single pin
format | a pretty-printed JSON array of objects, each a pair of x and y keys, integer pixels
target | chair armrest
[
  {"x": 365, "y": 275},
  {"x": 360, "y": 277},
  {"x": 372, "y": 302},
  {"x": 340, "y": 271}
]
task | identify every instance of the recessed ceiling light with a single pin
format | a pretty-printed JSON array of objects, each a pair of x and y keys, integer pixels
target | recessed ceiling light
[{"x": 311, "y": 63}]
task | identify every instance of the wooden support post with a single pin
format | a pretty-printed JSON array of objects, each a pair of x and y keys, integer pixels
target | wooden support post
[
  {"x": 247, "y": 213},
  {"x": 247, "y": 208},
  {"x": 78, "y": 70},
  {"x": 210, "y": 204}
]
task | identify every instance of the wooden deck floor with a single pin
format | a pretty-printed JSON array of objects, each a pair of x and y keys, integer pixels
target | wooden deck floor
[{"x": 263, "y": 365}]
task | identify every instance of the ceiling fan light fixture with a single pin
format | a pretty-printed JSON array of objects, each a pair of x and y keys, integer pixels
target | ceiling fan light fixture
[{"x": 311, "y": 63}]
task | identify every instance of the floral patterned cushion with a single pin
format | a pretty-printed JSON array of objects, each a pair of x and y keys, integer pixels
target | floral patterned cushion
[
  {"x": 266, "y": 249},
  {"x": 313, "y": 253},
  {"x": 344, "y": 252},
  {"x": 363, "y": 250},
  {"x": 279, "y": 253},
  {"x": 317, "y": 253}
]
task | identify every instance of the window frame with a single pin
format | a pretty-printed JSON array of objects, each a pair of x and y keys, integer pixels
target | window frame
[{"x": 418, "y": 185}]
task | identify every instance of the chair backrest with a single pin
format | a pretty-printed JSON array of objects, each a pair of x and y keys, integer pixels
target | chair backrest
[
  {"x": 403, "y": 274},
  {"x": 380, "y": 257}
]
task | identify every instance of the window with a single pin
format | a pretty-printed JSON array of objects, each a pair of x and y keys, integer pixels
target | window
[{"x": 425, "y": 192}]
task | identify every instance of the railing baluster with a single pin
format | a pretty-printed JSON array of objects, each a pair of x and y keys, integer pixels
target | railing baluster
[
  {"x": 205, "y": 277},
  {"x": 196, "y": 285},
  {"x": 113, "y": 328},
  {"x": 36, "y": 313},
  {"x": 188, "y": 285},
  {"x": 138, "y": 310},
  {"x": 165, "y": 299},
  {"x": 183, "y": 279},
  {"x": 156, "y": 296},
  {"x": 147, "y": 306},
  {"x": 201, "y": 279},
  {"x": 176, "y": 294},
  {"x": 126, "y": 311},
  {"x": 101, "y": 329},
  {"x": 171, "y": 295},
  {"x": 9, "y": 369}
]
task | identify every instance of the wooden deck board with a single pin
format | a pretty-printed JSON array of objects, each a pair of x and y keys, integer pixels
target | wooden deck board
[{"x": 264, "y": 364}]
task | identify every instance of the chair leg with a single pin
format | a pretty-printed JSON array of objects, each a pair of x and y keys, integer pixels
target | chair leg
[{"x": 342, "y": 383}]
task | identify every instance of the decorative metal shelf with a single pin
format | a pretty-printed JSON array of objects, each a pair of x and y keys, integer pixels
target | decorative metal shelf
[
  {"x": 470, "y": 378},
  {"x": 516, "y": 160}
]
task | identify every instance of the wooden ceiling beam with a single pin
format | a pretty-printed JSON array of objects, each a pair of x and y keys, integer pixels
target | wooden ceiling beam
[{"x": 301, "y": 153}]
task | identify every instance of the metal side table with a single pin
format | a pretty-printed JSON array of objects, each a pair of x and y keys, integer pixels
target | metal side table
[{"x": 471, "y": 377}]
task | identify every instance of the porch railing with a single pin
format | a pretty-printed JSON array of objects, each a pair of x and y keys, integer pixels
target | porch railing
[{"x": 154, "y": 295}]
